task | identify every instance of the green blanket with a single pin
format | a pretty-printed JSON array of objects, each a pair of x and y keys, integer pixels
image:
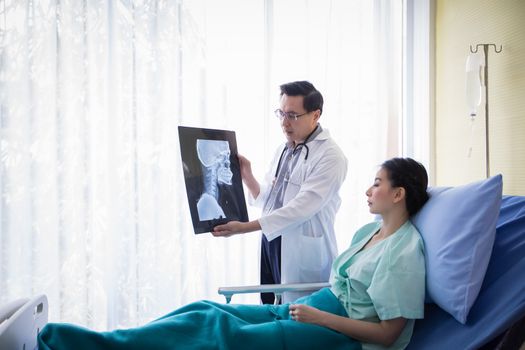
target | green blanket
[{"x": 210, "y": 325}]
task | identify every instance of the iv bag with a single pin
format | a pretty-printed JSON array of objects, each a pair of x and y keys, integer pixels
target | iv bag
[{"x": 474, "y": 69}]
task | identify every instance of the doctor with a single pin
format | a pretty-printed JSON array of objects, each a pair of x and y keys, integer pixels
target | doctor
[{"x": 300, "y": 195}]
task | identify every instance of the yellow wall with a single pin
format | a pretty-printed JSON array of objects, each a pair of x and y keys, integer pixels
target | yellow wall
[{"x": 460, "y": 23}]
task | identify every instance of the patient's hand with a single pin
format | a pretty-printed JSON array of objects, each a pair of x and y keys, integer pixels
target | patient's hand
[{"x": 307, "y": 314}]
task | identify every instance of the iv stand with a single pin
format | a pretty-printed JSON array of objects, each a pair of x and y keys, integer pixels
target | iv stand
[{"x": 486, "y": 81}]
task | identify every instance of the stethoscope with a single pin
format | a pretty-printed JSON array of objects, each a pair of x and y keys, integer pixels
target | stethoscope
[{"x": 296, "y": 148}]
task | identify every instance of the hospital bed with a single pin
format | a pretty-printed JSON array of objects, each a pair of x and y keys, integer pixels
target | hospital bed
[
  {"x": 497, "y": 317},
  {"x": 496, "y": 320}
]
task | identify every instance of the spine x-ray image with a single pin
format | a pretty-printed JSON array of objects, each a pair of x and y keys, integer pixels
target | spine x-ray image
[
  {"x": 215, "y": 159},
  {"x": 212, "y": 177}
]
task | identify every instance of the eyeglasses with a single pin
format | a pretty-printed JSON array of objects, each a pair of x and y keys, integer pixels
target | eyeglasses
[{"x": 288, "y": 115}]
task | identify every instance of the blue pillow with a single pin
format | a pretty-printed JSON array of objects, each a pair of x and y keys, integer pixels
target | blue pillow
[{"x": 458, "y": 226}]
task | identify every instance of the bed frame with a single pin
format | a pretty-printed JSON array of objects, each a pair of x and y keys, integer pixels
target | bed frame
[{"x": 21, "y": 321}]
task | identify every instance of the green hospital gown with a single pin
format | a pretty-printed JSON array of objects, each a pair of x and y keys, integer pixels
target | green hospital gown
[{"x": 384, "y": 281}]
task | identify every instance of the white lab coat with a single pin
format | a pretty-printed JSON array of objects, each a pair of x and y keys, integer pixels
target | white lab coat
[{"x": 306, "y": 220}]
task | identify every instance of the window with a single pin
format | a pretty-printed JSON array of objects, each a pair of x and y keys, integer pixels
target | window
[{"x": 93, "y": 205}]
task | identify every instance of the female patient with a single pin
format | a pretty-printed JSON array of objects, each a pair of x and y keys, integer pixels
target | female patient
[{"x": 377, "y": 290}]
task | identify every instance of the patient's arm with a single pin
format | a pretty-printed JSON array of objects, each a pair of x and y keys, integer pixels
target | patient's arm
[{"x": 385, "y": 332}]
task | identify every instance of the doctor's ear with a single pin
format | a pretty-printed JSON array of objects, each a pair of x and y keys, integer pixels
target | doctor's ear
[{"x": 317, "y": 114}]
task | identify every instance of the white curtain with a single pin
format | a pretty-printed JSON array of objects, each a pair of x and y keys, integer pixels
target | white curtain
[{"x": 93, "y": 208}]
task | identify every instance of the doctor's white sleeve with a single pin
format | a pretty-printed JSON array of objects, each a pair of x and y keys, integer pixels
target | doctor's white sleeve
[{"x": 319, "y": 187}]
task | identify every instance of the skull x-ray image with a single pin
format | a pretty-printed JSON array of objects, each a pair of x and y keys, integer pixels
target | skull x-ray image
[{"x": 212, "y": 177}]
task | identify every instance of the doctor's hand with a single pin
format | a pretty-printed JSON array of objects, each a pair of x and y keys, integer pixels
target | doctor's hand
[
  {"x": 307, "y": 314},
  {"x": 247, "y": 176},
  {"x": 235, "y": 227},
  {"x": 245, "y": 167}
]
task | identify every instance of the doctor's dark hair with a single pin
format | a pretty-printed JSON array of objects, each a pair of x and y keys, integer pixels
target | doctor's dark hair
[
  {"x": 412, "y": 176},
  {"x": 313, "y": 100}
]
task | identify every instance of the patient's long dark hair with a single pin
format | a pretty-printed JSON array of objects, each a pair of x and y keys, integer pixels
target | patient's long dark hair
[{"x": 412, "y": 176}]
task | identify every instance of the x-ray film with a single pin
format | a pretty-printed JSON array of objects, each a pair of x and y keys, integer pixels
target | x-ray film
[{"x": 212, "y": 176}]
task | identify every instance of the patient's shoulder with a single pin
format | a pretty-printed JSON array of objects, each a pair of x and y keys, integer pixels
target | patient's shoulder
[{"x": 364, "y": 231}]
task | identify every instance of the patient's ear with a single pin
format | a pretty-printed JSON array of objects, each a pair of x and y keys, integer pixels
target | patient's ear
[{"x": 399, "y": 194}]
